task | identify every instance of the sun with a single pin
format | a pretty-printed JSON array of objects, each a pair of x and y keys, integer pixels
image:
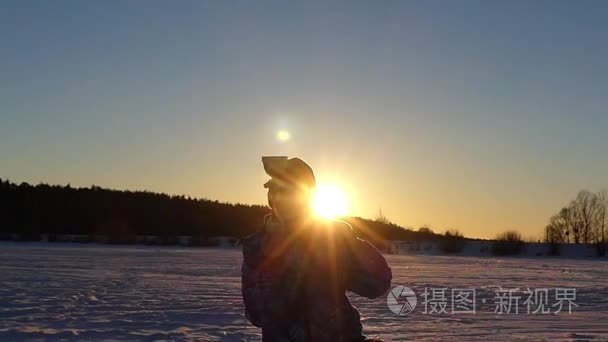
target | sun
[
  {"x": 283, "y": 135},
  {"x": 329, "y": 202}
]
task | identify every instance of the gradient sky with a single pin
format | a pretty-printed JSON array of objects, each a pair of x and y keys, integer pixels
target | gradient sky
[{"x": 476, "y": 115}]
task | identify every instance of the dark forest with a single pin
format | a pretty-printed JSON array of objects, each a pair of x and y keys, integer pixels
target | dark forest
[{"x": 31, "y": 210}]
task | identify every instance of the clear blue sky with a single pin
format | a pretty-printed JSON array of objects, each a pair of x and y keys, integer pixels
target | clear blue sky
[{"x": 478, "y": 115}]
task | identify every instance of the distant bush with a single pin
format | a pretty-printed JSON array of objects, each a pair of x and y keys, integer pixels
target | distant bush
[
  {"x": 118, "y": 239},
  {"x": 554, "y": 249},
  {"x": 508, "y": 243},
  {"x": 453, "y": 233},
  {"x": 452, "y": 242},
  {"x": 425, "y": 230},
  {"x": 168, "y": 240},
  {"x": 600, "y": 248},
  {"x": 201, "y": 241},
  {"x": 28, "y": 237},
  {"x": 209, "y": 243},
  {"x": 117, "y": 232}
]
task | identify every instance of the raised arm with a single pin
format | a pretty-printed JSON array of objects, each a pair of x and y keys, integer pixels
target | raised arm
[{"x": 368, "y": 273}]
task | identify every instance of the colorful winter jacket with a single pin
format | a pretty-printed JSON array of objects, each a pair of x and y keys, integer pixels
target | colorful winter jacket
[{"x": 294, "y": 281}]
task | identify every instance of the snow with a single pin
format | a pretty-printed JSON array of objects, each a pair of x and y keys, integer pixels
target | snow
[
  {"x": 54, "y": 291},
  {"x": 483, "y": 248}
]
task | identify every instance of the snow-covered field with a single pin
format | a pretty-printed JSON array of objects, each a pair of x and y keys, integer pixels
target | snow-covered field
[{"x": 90, "y": 292}]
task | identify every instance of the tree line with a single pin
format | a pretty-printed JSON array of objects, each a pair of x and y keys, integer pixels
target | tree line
[
  {"x": 583, "y": 220},
  {"x": 31, "y": 210}
]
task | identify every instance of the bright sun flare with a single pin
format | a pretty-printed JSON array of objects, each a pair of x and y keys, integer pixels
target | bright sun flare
[
  {"x": 329, "y": 202},
  {"x": 283, "y": 135}
]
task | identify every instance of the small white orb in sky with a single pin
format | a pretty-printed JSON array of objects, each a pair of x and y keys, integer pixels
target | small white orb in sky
[{"x": 283, "y": 135}]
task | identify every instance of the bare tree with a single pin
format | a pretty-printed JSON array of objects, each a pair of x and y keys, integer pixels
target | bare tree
[
  {"x": 381, "y": 218},
  {"x": 557, "y": 230},
  {"x": 568, "y": 222},
  {"x": 603, "y": 203},
  {"x": 584, "y": 220},
  {"x": 587, "y": 208},
  {"x": 509, "y": 236}
]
